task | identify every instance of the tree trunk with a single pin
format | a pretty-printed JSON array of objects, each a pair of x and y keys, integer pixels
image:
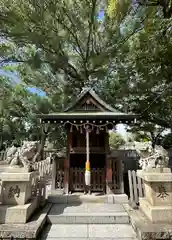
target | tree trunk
[
  {"x": 153, "y": 144},
  {"x": 39, "y": 154},
  {"x": 1, "y": 142}
]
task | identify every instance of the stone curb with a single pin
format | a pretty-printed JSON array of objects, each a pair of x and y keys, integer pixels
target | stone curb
[{"x": 29, "y": 230}]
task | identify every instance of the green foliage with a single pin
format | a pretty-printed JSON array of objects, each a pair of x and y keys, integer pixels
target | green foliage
[
  {"x": 165, "y": 6},
  {"x": 18, "y": 108},
  {"x": 145, "y": 131},
  {"x": 115, "y": 140},
  {"x": 62, "y": 46},
  {"x": 143, "y": 71}
]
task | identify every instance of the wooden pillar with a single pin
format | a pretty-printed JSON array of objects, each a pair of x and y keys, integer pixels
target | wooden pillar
[
  {"x": 67, "y": 163},
  {"x": 108, "y": 166},
  {"x": 121, "y": 179},
  {"x": 54, "y": 174},
  {"x": 109, "y": 176}
]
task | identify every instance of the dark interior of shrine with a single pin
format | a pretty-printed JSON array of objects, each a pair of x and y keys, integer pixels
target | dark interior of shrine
[
  {"x": 96, "y": 160},
  {"x": 95, "y": 140}
]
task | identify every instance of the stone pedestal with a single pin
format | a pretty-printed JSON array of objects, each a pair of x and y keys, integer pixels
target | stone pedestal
[
  {"x": 17, "y": 202},
  {"x": 157, "y": 204}
]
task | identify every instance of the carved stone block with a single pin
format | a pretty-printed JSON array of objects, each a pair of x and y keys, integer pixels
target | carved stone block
[
  {"x": 157, "y": 204},
  {"x": 16, "y": 187}
]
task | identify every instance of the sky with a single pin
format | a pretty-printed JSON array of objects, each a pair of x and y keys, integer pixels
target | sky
[
  {"x": 120, "y": 128},
  {"x": 15, "y": 78},
  {"x": 101, "y": 15}
]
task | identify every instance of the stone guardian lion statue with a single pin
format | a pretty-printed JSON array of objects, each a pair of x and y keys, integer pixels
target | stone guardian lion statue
[
  {"x": 22, "y": 156},
  {"x": 150, "y": 157}
]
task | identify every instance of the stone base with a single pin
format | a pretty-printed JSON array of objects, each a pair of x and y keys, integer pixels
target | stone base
[
  {"x": 145, "y": 229},
  {"x": 16, "y": 187},
  {"x": 120, "y": 198},
  {"x": 156, "y": 175},
  {"x": 29, "y": 230},
  {"x": 17, "y": 214},
  {"x": 16, "y": 169},
  {"x": 155, "y": 170},
  {"x": 156, "y": 214}
]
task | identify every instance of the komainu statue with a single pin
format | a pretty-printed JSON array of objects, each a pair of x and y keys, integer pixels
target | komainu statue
[
  {"x": 22, "y": 156},
  {"x": 150, "y": 157}
]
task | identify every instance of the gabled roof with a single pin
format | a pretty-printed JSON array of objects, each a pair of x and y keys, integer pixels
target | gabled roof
[
  {"x": 89, "y": 91},
  {"x": 103, "y": 111}
]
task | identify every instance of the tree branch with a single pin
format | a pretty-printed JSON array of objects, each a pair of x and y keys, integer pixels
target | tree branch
[
  {"x": 71, "y": 32},
  {"x": 166, "y": 5},
  {"x": 91, "y": 23},
  {"x": 12, "y": 60},
  {"x": 145, "y": 3}
]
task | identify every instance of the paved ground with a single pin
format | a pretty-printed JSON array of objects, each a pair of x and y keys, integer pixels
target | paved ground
[
  {"x": 88, "y": 232},
  {"x": 3, "y": 168},
  {"x": 58, "y": 209},
  {"x": 88, "y": 213},
  {"x": 66, "y": 226}
]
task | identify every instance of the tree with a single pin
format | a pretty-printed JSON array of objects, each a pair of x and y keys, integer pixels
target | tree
[
  {"x": 60, "y": 47},
  {"x": 18, "y": 109},
  {"x": 10, "y": 107},
  {"x": 165, "y": 5},
  {"x": 167, "y": 141},
  {"x": 148, "y": 68},
  {"x": 70, "y": 46},
  {"x": 116, "y": 140},
  {"x": 144, "y": 131}
]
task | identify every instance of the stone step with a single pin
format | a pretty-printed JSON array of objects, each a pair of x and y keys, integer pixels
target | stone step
[
  {"x": 88, "y": 214},
  {"x": 88, "y": 232},
  {"x": 56, "y": 197},
  {"x": 50, "y": 238}
]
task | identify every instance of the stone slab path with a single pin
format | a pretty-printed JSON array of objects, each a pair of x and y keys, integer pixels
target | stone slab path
[
  {"x": 88, "y": 222},
  {"x": 88, "y": 213},
  {"x": 88, "y": 232}
]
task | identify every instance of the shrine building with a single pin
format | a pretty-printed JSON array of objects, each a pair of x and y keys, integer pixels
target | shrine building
[{"x": 87, "y": 122}]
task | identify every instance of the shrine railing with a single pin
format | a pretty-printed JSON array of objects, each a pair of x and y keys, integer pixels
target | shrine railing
[
  {"x": 136, "y": 187},
  {"x": 43, "y": 180},
  {"x": 2, "y": 155},
  {"x": 47, "y": 152},
  {"x": 115, "y": 175},
  {"x": 97, "y": 179},
  {"x": 43, "y": 167}
]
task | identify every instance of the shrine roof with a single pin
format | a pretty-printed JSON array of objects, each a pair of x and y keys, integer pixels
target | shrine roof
[
  {"x": 88, "y": 116},
  {"x": 89, "y": 106},
  {"x": 87, "y": 92}
]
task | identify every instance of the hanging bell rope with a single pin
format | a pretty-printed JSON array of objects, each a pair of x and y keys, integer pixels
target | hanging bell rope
[
  {"x": 71, "y": 128},
  {"x": 97, "y": 131},
  {"x": 81, "y": 130},
  {"x": 91, "y": 126}
]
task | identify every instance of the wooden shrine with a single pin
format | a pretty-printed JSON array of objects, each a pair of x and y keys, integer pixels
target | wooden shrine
[{"x": 87, "y": 122}]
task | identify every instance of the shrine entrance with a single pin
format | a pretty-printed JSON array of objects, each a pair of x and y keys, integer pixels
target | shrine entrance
[
  {"x": 98, "y": 172},
  {"x": 78, "y": 158},
  {"x": 88, "y": 164}
]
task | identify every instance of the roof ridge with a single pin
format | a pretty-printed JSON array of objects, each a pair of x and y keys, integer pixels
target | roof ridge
[{"x": 96, "y": 97}]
